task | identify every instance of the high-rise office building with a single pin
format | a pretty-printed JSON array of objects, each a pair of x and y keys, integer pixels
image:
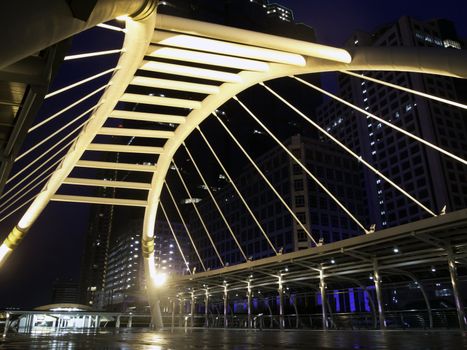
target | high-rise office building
[
  {"x": 124, "y": 284},
  {"x": 434, "y": 179},
  {"x": 314, "y": 208},
  {"x": 281, "y": 12},
  {"x": 65, "y": 291},
  {"x": 94, "y": 261}
]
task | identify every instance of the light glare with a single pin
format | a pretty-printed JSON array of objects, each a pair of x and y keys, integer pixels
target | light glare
[
  {"x": 4, "y": 252},
  {"x": 159, "y": 279}
]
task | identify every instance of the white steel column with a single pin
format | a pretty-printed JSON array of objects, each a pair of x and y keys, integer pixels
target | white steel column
[
  {"x": 192, "y": 309},
  {"x": 226, "y": 305},
  {"x": 280, "y": 290},
  {"x": 206, "y": 308},
  {"x": 7, "y": 325},
  {"x": 455, "y": 289},
  {"x": 173, "y": 314},
  {"x": 250, "y": 325},
  {"x": 379, "y": 294},
  {"x": 181, "y": 311},
  {"x": 130, "y": 321},
  {"x": 322, "y": 289}
]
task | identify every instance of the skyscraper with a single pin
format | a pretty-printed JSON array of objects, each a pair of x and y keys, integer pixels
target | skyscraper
[
  {"x": 434, "y": 179},
  {"x": 315, "y": 209},
  {"x": 124, "y": 284}
]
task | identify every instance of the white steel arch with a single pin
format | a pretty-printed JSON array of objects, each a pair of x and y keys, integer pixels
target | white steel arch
[{"x": 263, "y": 57}]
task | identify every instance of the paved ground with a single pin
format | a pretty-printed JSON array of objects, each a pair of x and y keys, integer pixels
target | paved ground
[{"x": 238, "y": 340}]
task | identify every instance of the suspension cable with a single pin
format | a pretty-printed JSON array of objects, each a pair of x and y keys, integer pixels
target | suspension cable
[
  {"x": 175, "y": 237},
  {"x": 67, "y": 108},
  {"x": 382, "y": 121},
  {"x": 215, "y": 201},
  {"x": 71, "y": 86},
  {"x": 29, "y": 183},
  {"x": 348, "y": 150},
  {"x": 197, "y": 212},
  {"x": 253, "y": 163},
  {"x": 108, "y": 26},
  {"x": 55, "y": 133},
  {"x": 91, "y": 54},
  {"x": 184, "y": 224},
  {"x": 18, "y": 208},
  {"x": 25, "y": 193},
  {"x": 46, "y": 152},
  {"x": 314, "y": 178},
  {"x": 237, "y": 190},
  {"x": 42, "y": 173},
  {"x": 398, "y": 87}
]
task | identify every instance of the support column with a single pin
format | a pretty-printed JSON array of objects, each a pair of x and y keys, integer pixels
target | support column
[
  {"x": 206, "y": 308},
  {"x": 250, "y": 323},
  {"x": 97, "y": 322},
  {"x": 30, "y": 321},
  {"x": 173, "y": 314},
  {"x": 455, "y": 289},
  {"x": 155, "y": 306},
  {"x": 192, "y": 309},
  {"x": 379, "y": 294},
  {"x": 130, "y": 321},
  {"x": 181, "y": 312},
  {"x": 281, "y": 303},
  {"x": 7, "y": 325},
  {"x": 322, "y": 289},
  {"x": 226, "y": 304},
  {"x": 117, "y": 323},
  {"x": 427, "y": 303}
]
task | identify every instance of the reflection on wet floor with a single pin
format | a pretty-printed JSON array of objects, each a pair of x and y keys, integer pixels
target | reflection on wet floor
[{"x": 220, "y": 339}]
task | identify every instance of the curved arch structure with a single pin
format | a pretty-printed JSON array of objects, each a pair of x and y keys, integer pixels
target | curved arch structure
[{"x": 263, "y": 57}]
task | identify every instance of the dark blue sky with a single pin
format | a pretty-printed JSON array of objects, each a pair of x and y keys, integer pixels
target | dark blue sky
[
  {"x": 54, "y": 246},
  {"x": 335, "y": 20}
]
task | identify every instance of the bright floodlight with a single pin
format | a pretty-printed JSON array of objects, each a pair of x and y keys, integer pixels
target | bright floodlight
[{"x": 159, "y": 279}]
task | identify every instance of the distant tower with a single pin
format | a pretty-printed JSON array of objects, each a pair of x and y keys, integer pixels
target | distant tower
[{"x": 431, "y": 177}]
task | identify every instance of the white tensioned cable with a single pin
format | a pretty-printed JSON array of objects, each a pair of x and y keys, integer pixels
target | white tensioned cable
[
  {"x": 55, "y": 133},
  {"x": 175, "y": 237},
  {"x": 14, "y": 211},
  {"x": 108, "y": 26},
  {"x": 415, "y": 92},
  {"x": 47, "y": 152},
  {"x": 348, "y": 150},
  {"x": 253, "y": 163},
  {"x": 184, "y": 225},
  {"x": 315, "y": 179},
  {"x": 91, "y": 54},
  {"x": 198, "y": 213},
  {"x": 382, "y": 121},
  {"x": 35, "y": 170},
  {"x": 81, "y": 82},
  {"x": 29, "y": 183},
  {"x": 237, "y": 190},
  {"x": 215, "y": 202},
  {"x": 26, "y": 192},
  {"x": 38, "y": 125}
]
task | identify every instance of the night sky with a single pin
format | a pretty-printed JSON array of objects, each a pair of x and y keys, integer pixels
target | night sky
[{"x": 54, "y": 246}]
